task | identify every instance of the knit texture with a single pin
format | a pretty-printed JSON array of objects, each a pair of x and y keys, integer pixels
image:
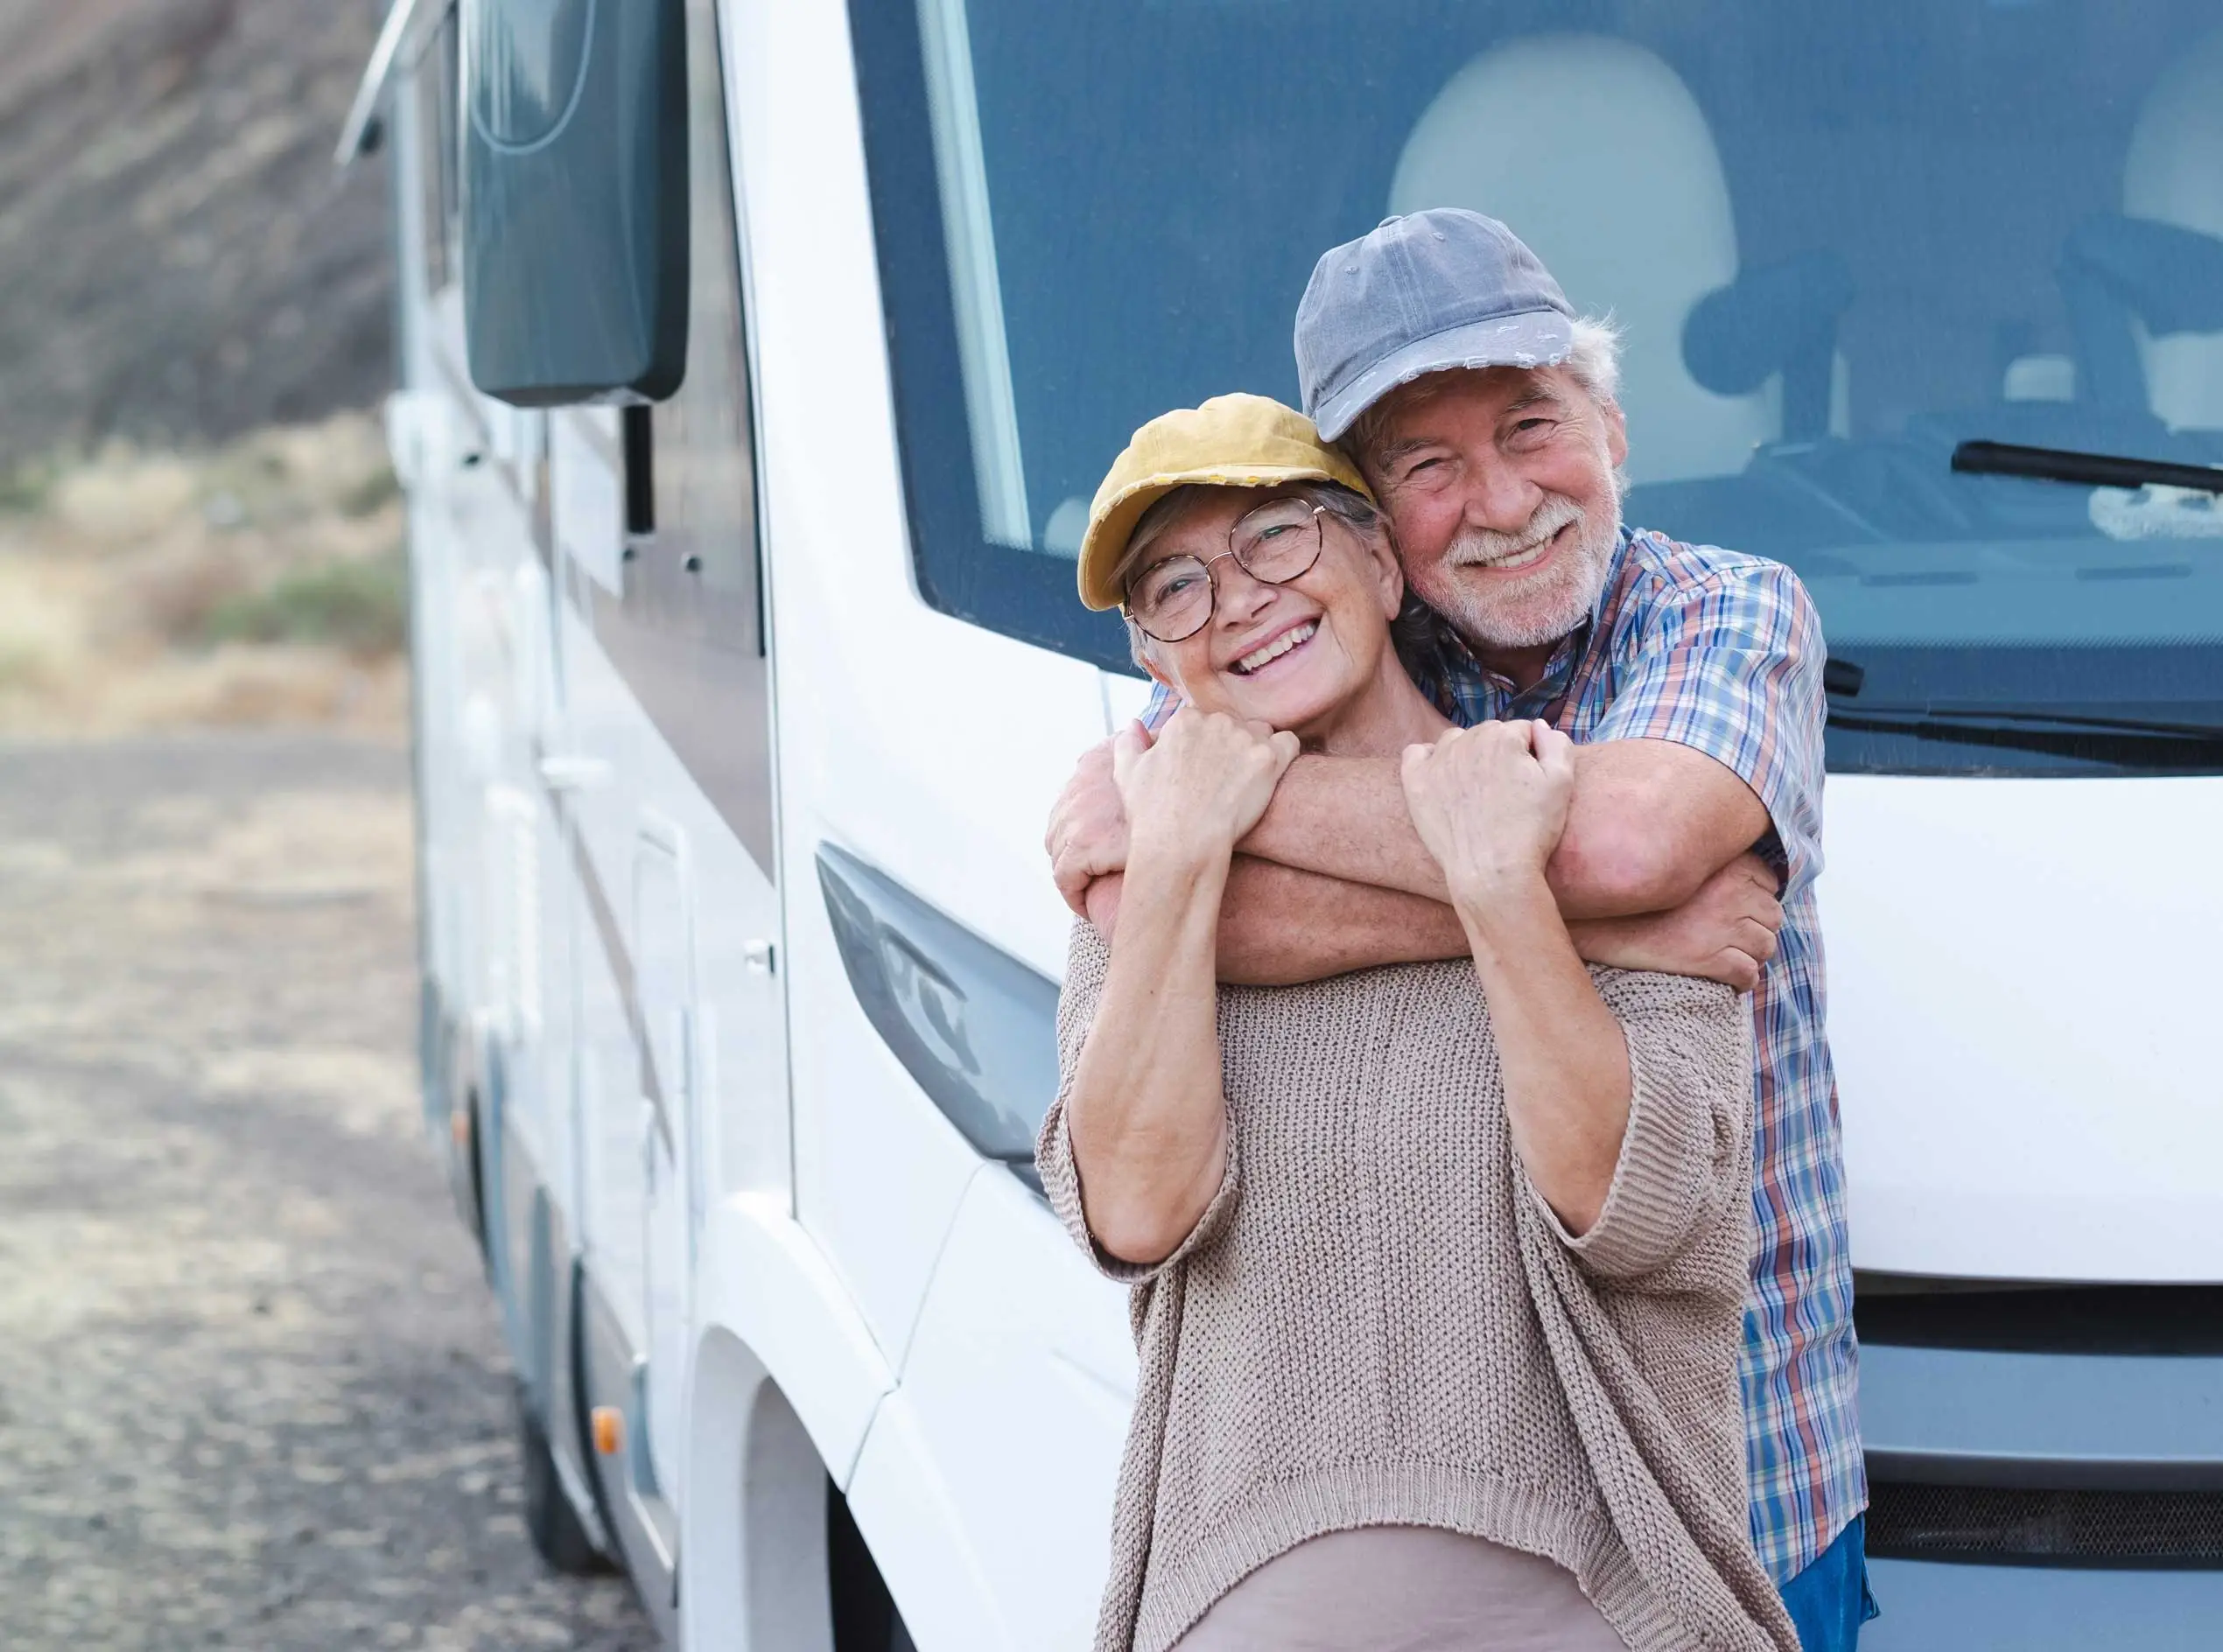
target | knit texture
[{"x": 1378, "y": 1320}]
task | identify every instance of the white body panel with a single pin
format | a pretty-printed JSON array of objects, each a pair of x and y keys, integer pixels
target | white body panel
[{"x": 2022, "y": 986}]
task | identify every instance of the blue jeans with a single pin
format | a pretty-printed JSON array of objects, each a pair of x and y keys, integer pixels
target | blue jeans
[{"x": 1829, "y": 1600}]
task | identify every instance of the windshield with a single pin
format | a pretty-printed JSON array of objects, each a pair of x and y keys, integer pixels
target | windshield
[{"x": 1841, "y": 241}]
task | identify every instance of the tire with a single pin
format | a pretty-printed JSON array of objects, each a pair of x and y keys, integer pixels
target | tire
[
  {"x": 865, "y": 1618},
  {"x": 550, "y": 1521}
]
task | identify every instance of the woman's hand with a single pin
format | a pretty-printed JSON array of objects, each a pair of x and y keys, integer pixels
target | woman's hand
[
  {"x": 1490, "y": 801},
  {"x": 1197, "y": 788}
]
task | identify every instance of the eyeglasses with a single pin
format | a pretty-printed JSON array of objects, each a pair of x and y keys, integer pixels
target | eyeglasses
[{"x": 1173, "y": 599}]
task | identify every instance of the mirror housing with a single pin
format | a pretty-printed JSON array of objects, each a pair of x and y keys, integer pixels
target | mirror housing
[{"x": 575, "y": 200}]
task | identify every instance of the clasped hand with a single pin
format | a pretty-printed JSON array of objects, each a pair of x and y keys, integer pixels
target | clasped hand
[
  {"x": 1195, "y": 790},
  {"x": 1490, "y": 803}
]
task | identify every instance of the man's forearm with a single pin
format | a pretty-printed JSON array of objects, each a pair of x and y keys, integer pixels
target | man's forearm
[
  {"x": 1650, "y": 822},
  {"x": 1344, "y": 818},
  {"x": 1279, "y": 926}
]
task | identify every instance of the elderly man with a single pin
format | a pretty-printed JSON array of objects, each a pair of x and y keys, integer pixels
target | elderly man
[{"x": 1481, "y": 411}]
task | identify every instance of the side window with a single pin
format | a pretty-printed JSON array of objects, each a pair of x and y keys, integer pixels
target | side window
[
  {"x": 438, "y": 93},
  {"x": 698, "y": 572},
  {"x": 689, "y": 632}
]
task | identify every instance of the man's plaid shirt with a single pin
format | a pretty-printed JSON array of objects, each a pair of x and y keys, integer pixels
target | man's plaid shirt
[{"x": 1723, "y": 653}]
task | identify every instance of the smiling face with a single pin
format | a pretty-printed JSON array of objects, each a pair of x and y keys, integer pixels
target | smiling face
[
  {"x": 1305, "y": 655},
  {"x": 1500, "y": 484}
]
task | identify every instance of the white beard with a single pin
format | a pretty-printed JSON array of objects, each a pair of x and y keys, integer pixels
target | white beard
[{"x": 1524, "y": 613}]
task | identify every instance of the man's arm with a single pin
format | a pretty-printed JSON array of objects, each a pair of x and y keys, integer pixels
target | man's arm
[
  {"x": 1279, "y": 925},
  {"x": 1650, "y": 822}
]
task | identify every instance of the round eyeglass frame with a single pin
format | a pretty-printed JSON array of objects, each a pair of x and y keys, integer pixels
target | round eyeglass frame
[{"x": 1211, "y": 605}]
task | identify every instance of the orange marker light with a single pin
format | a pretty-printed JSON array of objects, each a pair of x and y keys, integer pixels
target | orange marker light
[
  {"x": 609, "y": 1429},
  {"x": 460, "y": 1127}
]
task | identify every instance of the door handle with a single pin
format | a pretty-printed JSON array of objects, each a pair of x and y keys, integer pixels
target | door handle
[
  {"x": 758, "y": 956},
  {"x": 574, "y": 774}
]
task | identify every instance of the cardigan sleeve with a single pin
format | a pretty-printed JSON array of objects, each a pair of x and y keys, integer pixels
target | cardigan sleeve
[
  {"x": 1088, "y": 960},
  {"x": 1686, "y": 1166}
]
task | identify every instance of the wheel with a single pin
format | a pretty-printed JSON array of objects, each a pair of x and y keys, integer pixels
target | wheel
[{"x": 550, "y": 1521}]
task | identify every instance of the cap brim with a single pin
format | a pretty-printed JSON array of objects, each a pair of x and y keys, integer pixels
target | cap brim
[
  {"x": 1532, "y": 338},
  {"x": 1105, "y": 543}
]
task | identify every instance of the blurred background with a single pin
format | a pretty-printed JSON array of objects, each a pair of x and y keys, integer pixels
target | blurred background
[
  {"x": 198, "y": 522},
  {"x": 251, "y": 1392}
]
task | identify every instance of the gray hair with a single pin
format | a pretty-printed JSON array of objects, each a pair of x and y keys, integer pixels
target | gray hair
[
  {"x": 1593, "y": 360},
  {"x": 1352, "y": 508}
]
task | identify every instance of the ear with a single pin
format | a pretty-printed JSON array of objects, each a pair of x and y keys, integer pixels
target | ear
[
  {"x": 1159, "y": 674},
  {"x": 1388, "y": 569},
  {"x": 1616, "y": 433}
]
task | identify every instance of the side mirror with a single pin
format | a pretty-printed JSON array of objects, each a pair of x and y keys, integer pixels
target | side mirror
[{"x": 575, "y": 199}]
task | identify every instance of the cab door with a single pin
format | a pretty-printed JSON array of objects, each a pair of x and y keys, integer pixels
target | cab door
[{"x": 668, "y": 676}]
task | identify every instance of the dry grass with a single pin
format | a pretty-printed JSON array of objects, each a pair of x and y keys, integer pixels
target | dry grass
[{"x": 260, "y": 582}]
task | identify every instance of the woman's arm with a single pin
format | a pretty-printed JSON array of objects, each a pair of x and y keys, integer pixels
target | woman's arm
[
  {"x": 1564, "y": 1058},
  {"x": 1147, "y": 1117},
  {"x": 1490, "y": 803},
  {"x": 1145, "y": 1111}
]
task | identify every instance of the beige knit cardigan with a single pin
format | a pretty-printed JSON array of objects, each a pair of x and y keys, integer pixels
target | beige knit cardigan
[{"x": 1378, "y": 1320}]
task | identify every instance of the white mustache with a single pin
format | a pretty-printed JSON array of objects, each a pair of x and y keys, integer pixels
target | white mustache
[{"x": 1480, "y": 546}]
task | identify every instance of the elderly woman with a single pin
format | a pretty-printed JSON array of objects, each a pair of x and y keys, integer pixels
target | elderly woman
[{"x": 1437, "y": 1269}]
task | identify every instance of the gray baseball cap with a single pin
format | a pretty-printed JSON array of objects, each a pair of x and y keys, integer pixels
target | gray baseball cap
[{"x": 1444, "y": 288}]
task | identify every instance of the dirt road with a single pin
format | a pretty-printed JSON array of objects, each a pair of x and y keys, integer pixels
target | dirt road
[{"x": 251, "y": 1393}]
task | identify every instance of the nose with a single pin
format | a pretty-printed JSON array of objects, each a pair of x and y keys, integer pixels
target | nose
[
  {"x": 1237, "y": 598},
  {"x": 1498, "y": 495}
]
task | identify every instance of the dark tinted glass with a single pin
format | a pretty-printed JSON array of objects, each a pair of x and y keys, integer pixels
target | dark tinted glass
[
  {"x": 1841, "y": 239},
  {"x": 690, "y": 634}
]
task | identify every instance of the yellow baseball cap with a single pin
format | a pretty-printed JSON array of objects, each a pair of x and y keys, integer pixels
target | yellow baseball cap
[{"x": 1231, "y": 441}]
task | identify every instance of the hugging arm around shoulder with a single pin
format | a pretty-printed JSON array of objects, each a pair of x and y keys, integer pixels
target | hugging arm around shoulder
[
  {"x": 1279, "y": 926},
  {"x": 1335, "y": 877},
  {"x": 1679, "y": 1209}
]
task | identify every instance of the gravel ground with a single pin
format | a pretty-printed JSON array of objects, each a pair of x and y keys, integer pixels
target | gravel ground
[{"x": 251, "y": 1391}]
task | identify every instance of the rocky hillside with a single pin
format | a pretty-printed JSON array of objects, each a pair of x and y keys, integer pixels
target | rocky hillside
[{"x": 178, "y": 261}]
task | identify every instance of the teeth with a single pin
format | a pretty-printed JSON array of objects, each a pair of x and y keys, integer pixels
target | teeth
[
  {"x": 1519, "y": 559},
  {"x": 1276, "y": 648}
]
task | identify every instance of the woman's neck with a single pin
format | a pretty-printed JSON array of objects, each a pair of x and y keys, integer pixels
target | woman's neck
[{"x": 1380, "y": 720}]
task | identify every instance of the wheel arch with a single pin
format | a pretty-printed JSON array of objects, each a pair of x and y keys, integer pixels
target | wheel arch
[
  {"x": 784, "y": 1385},
  {"x": 755, "y": 1512}
]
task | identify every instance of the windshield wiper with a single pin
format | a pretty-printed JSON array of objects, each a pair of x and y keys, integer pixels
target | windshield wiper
[
  {"x": 2147, "y": 742},
  {"x": 2090, "y": 470}
]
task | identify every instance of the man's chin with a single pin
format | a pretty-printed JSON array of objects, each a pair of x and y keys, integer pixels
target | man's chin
[
  {"x": 1527, "y": 624},
  {"x": 1495, "y": 617}
]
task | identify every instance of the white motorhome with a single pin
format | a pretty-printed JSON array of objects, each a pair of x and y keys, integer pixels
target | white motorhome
[{"x": 757, "y": 360}]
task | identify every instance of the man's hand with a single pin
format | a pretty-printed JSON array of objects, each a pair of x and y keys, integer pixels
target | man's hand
[
  {"x": 1088, "y": 829},
  {"x": 1726, "y": 932}
]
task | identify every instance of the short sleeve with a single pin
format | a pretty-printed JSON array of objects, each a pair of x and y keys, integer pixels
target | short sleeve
[
  {"x": 1685, "y": 1170},
  {"x": 1731, "y": 665},
  {"x": 1163, "y": 703},
  {"x": 1088, "y": 961}
]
